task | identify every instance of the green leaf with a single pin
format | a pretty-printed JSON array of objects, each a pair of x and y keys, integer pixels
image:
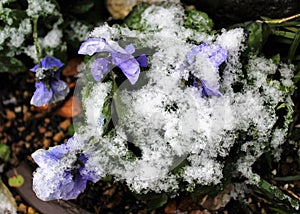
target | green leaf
[
  {"x": 198, "y": 21},
  {"x": 294, "y": 47},
  {"x": 71, "y": 130},
  {"x": 258, "y": 35},
  {"x": 133, "y": 20},
  {"x": 158, "y": 201},
  {"x": 12, "y": 17},
  {"x": 4, "y": 152},
  {"x": 11, "y": 64},
  {"x": 80, "y": 7},
  {"x": 273, "y": 193},
  {"x": 16, "y": 181},
  {"x": 153, "y": 200}
]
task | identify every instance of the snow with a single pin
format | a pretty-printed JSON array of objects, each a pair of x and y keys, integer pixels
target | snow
[{"x": 170, "y": 122}]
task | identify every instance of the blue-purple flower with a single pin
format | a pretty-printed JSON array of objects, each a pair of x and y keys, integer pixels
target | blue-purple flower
[
  {"x": 217, "y": 56},
  {"x": 116, "y": 56},
  {"x": 49, "y": 87},
  {"x": 52, "y": 181}
]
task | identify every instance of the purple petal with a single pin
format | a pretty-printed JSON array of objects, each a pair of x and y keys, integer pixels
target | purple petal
[
  {"x": 210, "y": 90},
  {"x": 130, "y": 49},
  {"x": 46, "y": 158},
  {"x": 216, "y": 54},
  {"x": 129, "y": 66},
  {"x": 42, "y": 95},
  {"x": 143, "y": 60},
  {"x": 47, "y": 63},
  {"x": 60, "y": 90},
  {"x": 100, "y": 67},
  {"x": 92, "y": 46}
]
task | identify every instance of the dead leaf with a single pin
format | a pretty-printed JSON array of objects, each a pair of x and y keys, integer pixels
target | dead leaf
[
  {"x": 71, "y": 108},
  {"x": 71, "y": 67},
  {"x": 8, "y": 203}
]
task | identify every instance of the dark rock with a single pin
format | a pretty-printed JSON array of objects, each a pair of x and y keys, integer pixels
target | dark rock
[{"x": 229, "y": 12}]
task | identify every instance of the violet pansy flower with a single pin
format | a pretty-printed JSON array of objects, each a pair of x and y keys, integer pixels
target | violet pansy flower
[
  {"x": 217, "y": 55},
  {"x": 49, "y": 87},
  {"x": 50, "y": 182},
  {"x": 117, "y": 56}
]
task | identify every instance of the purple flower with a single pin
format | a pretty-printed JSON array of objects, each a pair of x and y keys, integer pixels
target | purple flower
[
  {"x": 207, "y": 90},
  {"x": 49, "y": 87},
  {"x": 216, "y": 55},
  {"x": 121, "y": 57},
  {"x": 51, "y": 182}
]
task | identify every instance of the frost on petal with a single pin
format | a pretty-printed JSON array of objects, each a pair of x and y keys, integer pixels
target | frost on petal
[
  {"x": 142, "y": 60},
  {"x": 42, "y": 95},
  {"x": 100, "y": 67},
  {"x": 210, "y": 90},
  {"x": 60, "y": 90},
  {"x": 52, "y": 183},
  {"x": 92, "y": 46},
  {"x": 130, "y": 49},
  {"x": 216, "y": 54}
]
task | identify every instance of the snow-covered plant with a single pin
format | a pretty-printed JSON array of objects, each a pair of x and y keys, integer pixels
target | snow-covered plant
[
  {"x": 52, "y": 22},
  {"x": 170, "y": 106}
]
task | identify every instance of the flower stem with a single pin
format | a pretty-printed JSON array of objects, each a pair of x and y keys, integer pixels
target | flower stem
[{"x": 36, "y": 40}]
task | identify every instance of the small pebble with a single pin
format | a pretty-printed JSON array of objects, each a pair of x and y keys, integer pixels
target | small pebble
[
  {"x": 64, "y": 125},
  {"x": 48, "y": 134},
  {"x": 46, "y": 142},
  {"x": 42, "y": 130},
  {"x": 18, "y": 109},
  {"x": 21, "y": 143},
  {"x": 21, "y": 129},
  {"x": 58, "y": 136},
  {"x": 28, "y": 138},
  {"x": 47, "y": 120},
  {"x": 22, "y": 208},
  {"x": 10, "y": 115},
  {"x": 274, "y": 172},
  {"x": 30, "y": 210}
]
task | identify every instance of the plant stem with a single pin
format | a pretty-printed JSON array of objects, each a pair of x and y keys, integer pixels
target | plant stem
[{"x": 36, "y": 40}]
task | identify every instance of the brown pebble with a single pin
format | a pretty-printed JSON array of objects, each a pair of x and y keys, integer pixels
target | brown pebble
[
  {"x": 58, "y": 136},
  {"x": 10, "y": 115},
  {"x": 48, "y": 134},
  {"x": 46, "y": 142},
  {"x": 30, "y": 210},
  {"x": 27, "y": 145},
  {"x": 64, "y": 125},
  {"x": 26, "y": 116},
  {"x": 8, "y": 124},
  {"x": 42, "y": 130},
  {"x": 28, "y": 138},
  {"x": 25, "y": 94},
  {"x": 22, "y": 208},
  {"x": 25, "y": 109},
  {"x": 21, "y": 143},
  {"x": 171, "y": 207},
  {"x": 47, "y": 120},
  {"x": 21, "y": 129}
]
